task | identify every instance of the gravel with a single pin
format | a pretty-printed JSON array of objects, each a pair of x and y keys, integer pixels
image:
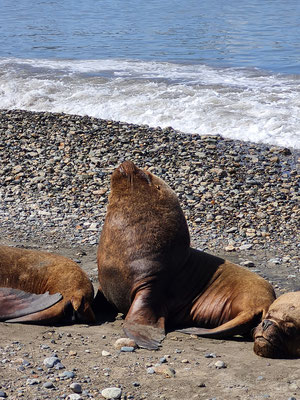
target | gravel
[{"x": 55, "y": 171}]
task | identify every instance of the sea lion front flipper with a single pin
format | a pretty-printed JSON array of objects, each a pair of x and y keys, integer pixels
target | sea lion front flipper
[
  {"x": 15, "y": 303},
  {"x": 240, "y": 325},
  {"x": 143, "y": 323}
]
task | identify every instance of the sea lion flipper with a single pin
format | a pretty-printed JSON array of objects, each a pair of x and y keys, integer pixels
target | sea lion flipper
[
  {"x": 143, "y": 324},
  {"x": 240, "y": 325},
  {"x": 146, "y": 336},
  {"x": 15, "y": 303}
]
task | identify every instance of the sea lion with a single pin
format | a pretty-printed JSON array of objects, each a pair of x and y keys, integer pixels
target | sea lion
[
  {"x": 149, "y": 272},
  {"x": 278, "y": 335},
  {"x": 43, "y": 288}
]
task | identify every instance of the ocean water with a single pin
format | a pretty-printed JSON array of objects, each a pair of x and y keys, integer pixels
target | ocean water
[{"x": 208, "y": 67}]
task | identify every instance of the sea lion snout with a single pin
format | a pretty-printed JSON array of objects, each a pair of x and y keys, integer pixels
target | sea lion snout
[
  {"x": 279, "y": 334},
  {"x": 129, "y": 170},
  {"x": 266, "y": 323}
]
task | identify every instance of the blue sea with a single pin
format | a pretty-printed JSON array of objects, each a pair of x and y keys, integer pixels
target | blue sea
[{"x": 228, "y": 67}]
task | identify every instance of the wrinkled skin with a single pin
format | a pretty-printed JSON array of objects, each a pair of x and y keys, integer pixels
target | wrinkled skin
[
  {"x": 149, "y": 272},
  {"x": 278, "y": 335},
  {"x": 42, "y": 288}
]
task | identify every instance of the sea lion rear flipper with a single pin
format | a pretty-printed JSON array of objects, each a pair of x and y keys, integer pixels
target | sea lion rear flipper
[
  {"x": 240, "y": 325},
  {"x": 15, "y": 303},
  {"x": 143, "y": 323}
]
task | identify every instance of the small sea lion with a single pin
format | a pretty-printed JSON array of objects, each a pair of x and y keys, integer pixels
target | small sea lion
[
  {"x": 278, "y": 335},
  {"x": 43, "y": 288},
  {"x": 149, "y": 272}
]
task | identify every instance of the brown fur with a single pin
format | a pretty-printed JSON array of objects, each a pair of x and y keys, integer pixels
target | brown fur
[
  {"x": 38, "y": 272},
  {"x": 278, "y": 336},
  {"x": 149, "y": 272}
]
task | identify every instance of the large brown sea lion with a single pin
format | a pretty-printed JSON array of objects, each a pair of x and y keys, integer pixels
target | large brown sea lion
[
  {"x": 41, "y": 287},
  {"x": 278, "y": 335},
  {"x": 149, "y": 272}
]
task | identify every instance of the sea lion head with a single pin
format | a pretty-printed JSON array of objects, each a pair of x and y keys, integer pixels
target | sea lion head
[
  {"x": 142, "y": 195},
  {"x": 274, "y": 338},
  {"x": 128, "y": 177}
]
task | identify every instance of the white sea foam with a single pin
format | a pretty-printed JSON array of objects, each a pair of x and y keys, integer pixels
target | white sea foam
[{"x": 236, "y": 103}]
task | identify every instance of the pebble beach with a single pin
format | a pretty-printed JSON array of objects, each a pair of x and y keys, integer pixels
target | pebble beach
[
  {"x": 241, "y": 201},
  {"x": 55, "y": 171}
]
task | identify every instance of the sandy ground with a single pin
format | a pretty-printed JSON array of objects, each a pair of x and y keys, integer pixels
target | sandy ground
[{"x": 80, "y": 347}]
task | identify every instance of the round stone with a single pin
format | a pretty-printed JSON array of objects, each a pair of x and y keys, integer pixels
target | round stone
[
  {"x": 111, "y": 393},
  {"x": 48, "y": 385},
  {"x": 220, "y": 364},
  {"x": 76, "y": 387}
]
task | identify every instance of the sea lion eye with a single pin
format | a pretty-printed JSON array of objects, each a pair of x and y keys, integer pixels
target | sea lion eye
[{"x": 289, "y": 328}]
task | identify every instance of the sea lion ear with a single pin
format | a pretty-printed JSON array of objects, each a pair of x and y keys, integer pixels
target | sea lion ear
[{"x": 82, "y": 310}]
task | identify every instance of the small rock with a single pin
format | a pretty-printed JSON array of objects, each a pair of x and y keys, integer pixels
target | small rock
[
  {"x": 210, "y": 355},
  {"x": 275, "y": 261},
  {"x": 124, "y": 342},
  {"x": 49, "y": 362},
  {"x": 286, "y": 259},
  {"x": 74, "y": 396},
  {"x": 231, "y": 230},
  {"x": 76, "y": 387},
  {"x": 127, "y": 349},
  {"x": 32, "y": 382},
  {"x": 59, "y": 365},
  {"x": 111, "y": 393},
  {"x": 248, "y": 263},
  {"x": 220, "y": 364},
  {"x": 48, "y": 385},
  {"x": 165, "y": 370},
  {"x": 150, "y": 371},
  {"x": 3, "y": 395},
  {"x": 105, "y": 353},
  {"x": 93, "y": 227},
  {"x": 230, "y": 248},
  {"x": 67, "y": 375},
  {"x": 246, "y": 246}
]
